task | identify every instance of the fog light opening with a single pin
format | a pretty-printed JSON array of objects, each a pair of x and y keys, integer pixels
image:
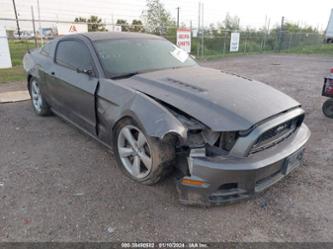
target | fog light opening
[{"x": 229, "y": 186}]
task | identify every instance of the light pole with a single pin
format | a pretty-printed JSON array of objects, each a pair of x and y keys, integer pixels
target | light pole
[{"x": 178, "y": 17}]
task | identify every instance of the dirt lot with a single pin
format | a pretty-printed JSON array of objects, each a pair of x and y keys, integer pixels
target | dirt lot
[{"x": 57, "y": 184}]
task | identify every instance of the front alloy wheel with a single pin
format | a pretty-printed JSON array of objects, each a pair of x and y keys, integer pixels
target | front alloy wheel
[
  {"x": 142, "y": 158},
  {"x": 134, "y": 151}
]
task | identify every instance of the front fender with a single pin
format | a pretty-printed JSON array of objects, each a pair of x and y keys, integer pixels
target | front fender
[
  {"x": 153, "y": 117},
  {"x": 115, "y": 102}
]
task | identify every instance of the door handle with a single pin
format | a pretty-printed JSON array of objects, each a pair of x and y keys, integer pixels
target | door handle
[{"x": 52, "y": 73}]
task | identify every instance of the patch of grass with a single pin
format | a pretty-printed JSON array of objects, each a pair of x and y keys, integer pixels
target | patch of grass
[
  {"x": 218, "y": 56},
  {"x": 18, "y": 50},
  {"x": 326, "y": 49},
  {"x": 320, "y": 49},
  {"x": 15, "y": 73}
]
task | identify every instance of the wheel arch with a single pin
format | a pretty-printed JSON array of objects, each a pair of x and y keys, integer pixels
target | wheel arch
[{"x": 176, "y": 135}]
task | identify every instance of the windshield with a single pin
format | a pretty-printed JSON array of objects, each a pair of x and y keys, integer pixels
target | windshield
[{"x": 130, "y": 56}]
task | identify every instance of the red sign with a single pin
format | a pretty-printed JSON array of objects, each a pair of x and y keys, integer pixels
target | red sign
[{"x": 184, "y": 39}]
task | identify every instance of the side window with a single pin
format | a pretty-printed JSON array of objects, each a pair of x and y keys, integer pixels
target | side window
[{"x": 73, "y": 54}]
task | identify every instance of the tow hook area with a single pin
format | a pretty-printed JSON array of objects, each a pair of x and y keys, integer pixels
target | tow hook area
[{"x": 192, "y": 191}]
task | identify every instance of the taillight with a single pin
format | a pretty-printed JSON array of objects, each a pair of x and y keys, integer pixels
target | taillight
[
  {"x": 332, "y": 70},
  {"x": 329, "y": 86}
]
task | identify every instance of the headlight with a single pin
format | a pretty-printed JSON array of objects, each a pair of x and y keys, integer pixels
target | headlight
[
  {"x": 228, "y": 140},
  {"x": 198, "y": 138},
  {"x": 222, "y": 140}
]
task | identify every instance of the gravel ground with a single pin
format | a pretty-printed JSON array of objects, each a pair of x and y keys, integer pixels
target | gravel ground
[{"x": 57, "y": 184}]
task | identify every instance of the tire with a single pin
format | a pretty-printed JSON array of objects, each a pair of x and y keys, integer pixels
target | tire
[
  {"x": 328, "y": 108},
  {"x": 39, "y": 104},
  {"x": 161, "y": 153}
]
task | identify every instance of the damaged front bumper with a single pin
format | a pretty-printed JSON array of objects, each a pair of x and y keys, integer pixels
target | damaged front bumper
[{"x": 219, "y": 180}]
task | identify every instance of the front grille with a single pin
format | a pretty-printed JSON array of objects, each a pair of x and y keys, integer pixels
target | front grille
[{"x": 276, "y": 134}]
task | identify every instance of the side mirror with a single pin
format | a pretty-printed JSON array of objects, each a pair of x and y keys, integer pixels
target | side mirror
[{"x": 89, "y": 71}]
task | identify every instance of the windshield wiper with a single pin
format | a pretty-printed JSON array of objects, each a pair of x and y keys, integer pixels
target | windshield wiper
[
  {"x": 128, "y": 75},
  {"x": 125, "y": 75}
]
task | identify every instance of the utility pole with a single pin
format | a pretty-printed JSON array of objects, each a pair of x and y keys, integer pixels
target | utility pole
[
  {"x": 198, "y": 31},
  {"x": 282, "y": 22},
  {"x": 203, "y": 30},
  {"x": 33, "y": 24},
  {"x": 39, "y": 24},
  {"x": 267, "y": 31},
  {"x": 177, "y": 17},
  {"x": 17, "y": 22},
  {"x": 281, "y": 33},
  {"x": 264, "y": 35}
]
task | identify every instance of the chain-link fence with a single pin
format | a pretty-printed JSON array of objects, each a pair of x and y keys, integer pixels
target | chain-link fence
[
  {"x": 252, "y": 42},
  {"x": 35, "y": 33}
]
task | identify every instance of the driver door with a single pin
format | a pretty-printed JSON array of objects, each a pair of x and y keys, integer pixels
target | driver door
[{"x": 73, "y": 84}]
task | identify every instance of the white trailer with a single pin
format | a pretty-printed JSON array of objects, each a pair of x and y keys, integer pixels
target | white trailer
[{"x": 329, "y": 29}]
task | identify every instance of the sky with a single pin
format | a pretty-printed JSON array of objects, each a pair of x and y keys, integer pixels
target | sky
[{"x": 251, "y": 13}]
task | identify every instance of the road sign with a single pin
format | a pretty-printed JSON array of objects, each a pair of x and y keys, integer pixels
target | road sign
[
  {"x": 70, "y": 28},
  {"x": 184, "y": 39},
  {"x": 5, "y": 60},
  {"x": 234, "y": 42}
]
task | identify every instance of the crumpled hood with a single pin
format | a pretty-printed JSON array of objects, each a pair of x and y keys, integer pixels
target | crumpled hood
[{"x": 222, "y": 101}]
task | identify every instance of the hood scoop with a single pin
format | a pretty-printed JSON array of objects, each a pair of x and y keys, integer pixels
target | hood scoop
[
  {"x": 237, "y": 75},
  {"x": 184, "y": 85}
]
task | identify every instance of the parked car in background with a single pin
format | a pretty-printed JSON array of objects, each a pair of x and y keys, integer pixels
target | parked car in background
[
  {"x": 46, "y": 33},
  {"x": 24, "y": 35},
  {"x": 230, "y": 137},
  {"x": 328, "y": 92}
]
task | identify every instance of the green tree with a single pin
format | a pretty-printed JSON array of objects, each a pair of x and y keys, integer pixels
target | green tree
[
  {"x": 157, "y": 19},
  {"x": 124, "y": 25},
  {"x": 230, "y": 23},
  {"x": 80, "y": 19},
  {"x": 137, "y": 26},
  {"x": 94, "y": 23},
  {"x": 294, "y": 27}
]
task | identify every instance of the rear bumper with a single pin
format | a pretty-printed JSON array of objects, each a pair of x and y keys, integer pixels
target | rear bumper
[{"x": 232, "y": 179}]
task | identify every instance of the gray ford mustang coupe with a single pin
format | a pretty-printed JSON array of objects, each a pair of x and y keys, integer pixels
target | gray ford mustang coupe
[{"x": 227, "y": 136}]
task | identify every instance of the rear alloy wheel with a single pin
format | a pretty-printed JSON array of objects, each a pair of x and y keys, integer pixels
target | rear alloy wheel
[
  {"x": 39, "y": 104},
  {"x": 328, "y": 108},
  {"x": 142, "y": 158}
]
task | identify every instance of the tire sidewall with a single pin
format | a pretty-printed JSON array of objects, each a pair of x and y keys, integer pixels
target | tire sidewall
[
  {"x": 44, "y": 107},
  {"x": 328, "y": 104},
  {"x": 152, "y": 146}
]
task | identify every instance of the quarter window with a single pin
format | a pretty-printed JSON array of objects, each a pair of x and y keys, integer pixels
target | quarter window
[
  {"x": 73, "y": 54},
  {"x": 46, "y": 50}
]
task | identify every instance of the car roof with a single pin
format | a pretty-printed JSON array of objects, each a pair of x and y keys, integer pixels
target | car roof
[{"x": 96, "y": 36}]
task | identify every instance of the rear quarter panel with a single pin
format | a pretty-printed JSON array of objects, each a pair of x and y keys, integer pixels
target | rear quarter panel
[{"x": 38, "y": 66}]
